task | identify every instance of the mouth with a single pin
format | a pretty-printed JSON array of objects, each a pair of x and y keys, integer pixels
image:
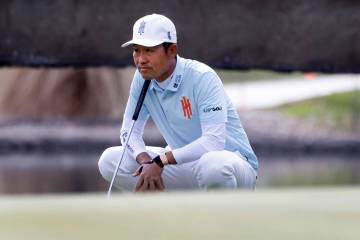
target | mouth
[{"x": 144, "y": 69}]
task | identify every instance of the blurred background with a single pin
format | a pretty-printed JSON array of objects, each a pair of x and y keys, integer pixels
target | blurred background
[{"x": 291, "y": 69}]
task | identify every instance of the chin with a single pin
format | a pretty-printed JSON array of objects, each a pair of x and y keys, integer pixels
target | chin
[{"x": 147, "y": 76}]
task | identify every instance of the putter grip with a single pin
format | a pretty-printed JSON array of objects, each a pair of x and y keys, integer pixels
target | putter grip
[{"x": 141, "y": 99}]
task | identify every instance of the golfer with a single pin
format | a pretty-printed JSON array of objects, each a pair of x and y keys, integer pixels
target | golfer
[{"x": 207, "y": 145}]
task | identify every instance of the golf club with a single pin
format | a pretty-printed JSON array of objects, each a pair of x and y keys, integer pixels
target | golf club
[{"x": 134, "y": 118}]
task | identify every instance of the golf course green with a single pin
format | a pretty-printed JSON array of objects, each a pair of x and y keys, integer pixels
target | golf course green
[{"x": 298, "y": 213}]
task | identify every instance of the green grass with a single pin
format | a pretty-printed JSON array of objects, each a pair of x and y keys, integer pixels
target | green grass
[
  {"x": 228, "y": 76},
  {"x": 334, "y": 111},
  {"x": 315, "y": 213},
  {"x": 343, "y": 175}
]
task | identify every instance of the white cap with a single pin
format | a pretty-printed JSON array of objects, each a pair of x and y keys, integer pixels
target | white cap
[{"x": 152, "y": 30}]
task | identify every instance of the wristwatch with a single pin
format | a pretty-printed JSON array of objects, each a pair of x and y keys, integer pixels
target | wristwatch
[{"x": 158, "y": 161}]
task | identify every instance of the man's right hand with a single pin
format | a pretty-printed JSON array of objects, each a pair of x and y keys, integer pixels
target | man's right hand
[
  {"x": 149, "y": 174},
  {"x": 149, "y": 178}
]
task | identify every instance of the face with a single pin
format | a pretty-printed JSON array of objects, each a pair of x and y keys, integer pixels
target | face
[{"x": 154, "y": 62}]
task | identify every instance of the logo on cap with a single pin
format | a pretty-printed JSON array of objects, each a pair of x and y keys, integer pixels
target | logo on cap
[
  {"x": 169, "y": 36},
  {"x": 142, "y": 27}
]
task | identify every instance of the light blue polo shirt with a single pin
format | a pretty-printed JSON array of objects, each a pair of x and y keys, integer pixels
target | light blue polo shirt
[{"x": 194, "y": 96}]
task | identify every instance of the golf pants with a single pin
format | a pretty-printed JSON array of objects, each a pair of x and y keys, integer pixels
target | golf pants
[{"x": 219, "y": 169}]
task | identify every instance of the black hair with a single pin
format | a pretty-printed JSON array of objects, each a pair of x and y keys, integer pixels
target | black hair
[{"x": 166, "y": 45}]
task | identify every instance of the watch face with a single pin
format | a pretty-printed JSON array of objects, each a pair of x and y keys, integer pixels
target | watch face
[{"x": 158, "y": 161}]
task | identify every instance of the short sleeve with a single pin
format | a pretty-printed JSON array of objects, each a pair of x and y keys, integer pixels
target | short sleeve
[{"x": 211, "y": 99}]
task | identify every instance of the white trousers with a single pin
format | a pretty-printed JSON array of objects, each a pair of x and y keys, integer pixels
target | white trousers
[{"x": 220, "y": 169}]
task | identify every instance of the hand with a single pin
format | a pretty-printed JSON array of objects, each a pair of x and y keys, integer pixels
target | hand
[{"x": 149, "y": 178}]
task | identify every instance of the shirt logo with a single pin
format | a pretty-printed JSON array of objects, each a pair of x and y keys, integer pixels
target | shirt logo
[
  {"x": 141, "y": 28},
  {"x": 186, "y": 106},
  {"x": 177, "y": 81},
  {"x": 124, "y": 136}
]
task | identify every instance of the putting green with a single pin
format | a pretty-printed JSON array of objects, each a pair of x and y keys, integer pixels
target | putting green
[{"x": 316, "y": 213}]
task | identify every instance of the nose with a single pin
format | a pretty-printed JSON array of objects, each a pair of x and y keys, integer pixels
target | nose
[{"x": 141, "y": 59}]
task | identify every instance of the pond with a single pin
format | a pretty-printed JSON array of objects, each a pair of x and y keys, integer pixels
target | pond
[{"x": 77, "y": 172}]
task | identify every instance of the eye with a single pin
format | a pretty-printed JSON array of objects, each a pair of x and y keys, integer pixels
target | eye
[{"x": 149, "y": 50}]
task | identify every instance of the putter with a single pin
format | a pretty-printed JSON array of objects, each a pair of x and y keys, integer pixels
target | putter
[{"x": 134, "y": 118}]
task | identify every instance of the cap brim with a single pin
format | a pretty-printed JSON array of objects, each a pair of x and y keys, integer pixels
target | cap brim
[{"x": 143, "y": 42}]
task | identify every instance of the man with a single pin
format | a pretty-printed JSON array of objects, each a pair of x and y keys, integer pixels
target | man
[{"x": 207, "y": 145}]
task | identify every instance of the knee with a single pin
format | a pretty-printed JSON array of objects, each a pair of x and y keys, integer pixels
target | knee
[
  {"x": 106, "y": 163},
  {"x": 217, "y": 171}
]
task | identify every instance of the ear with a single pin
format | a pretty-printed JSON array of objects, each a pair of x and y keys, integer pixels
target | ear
[{"x": 172, "y": 51}]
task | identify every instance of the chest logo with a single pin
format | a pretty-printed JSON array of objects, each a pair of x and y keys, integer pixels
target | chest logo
[{"x": 186, "y": 106}]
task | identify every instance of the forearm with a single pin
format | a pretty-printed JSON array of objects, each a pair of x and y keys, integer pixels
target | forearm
[
  {"x": 190, "y": 152},
  {"x": 213, "y": 139},
  {"x": 135, "y": 144}
]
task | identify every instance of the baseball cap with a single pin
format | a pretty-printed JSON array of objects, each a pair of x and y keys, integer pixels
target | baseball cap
[{"x": 152, "y": 30}]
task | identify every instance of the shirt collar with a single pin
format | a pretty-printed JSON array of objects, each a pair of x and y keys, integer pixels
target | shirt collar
[
  {"x": 176, "y": 77},
  {"x": 164, "y": 84}
]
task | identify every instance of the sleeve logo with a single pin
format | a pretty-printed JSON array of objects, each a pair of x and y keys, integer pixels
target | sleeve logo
[
  {"x": 186, "y": 106},
  {"x": 212, "y": 109}
]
